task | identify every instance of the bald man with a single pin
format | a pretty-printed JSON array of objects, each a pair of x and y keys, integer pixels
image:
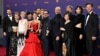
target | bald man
[{"x": 56, "y": 33}]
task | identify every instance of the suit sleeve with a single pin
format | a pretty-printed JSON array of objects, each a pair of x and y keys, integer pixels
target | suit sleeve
[
  {"x": 4, "y": 24},
  {"x": 96, "y": 25}
]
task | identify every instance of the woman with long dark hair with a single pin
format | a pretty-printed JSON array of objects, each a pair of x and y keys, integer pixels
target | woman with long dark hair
[
  {"x": 78, "y": 30},
  {"x": 33, "y": 44}
]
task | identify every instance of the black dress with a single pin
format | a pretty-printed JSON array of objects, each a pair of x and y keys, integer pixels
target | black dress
[
  {"x": 68, "y": 36},
  {"x": 13, "y": 40},
  {"x": 77, "y": 31}
]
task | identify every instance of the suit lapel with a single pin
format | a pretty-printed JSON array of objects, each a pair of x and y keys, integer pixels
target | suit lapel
[
  {"x": 9, "y": 18},
  {"x": 89, "y": 18}
]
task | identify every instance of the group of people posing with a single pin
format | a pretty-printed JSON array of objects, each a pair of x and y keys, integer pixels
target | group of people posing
[{"x": 67, "y": 32}]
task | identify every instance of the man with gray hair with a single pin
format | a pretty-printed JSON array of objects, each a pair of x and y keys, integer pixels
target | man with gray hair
[{"x": 69, "y": 9}]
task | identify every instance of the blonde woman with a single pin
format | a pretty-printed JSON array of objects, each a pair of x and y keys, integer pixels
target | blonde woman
[{"x": 22, "y": 28}]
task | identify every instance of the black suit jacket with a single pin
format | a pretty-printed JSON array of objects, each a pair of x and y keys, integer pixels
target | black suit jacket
[
  {"x": 91, "y": 29},
  {"x": 57, "y": 22},
  {"x": 7, "y": 24},
  {"x": 46, "y": 25}
]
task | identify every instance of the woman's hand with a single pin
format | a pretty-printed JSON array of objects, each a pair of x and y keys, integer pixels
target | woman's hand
[
  {"x": 93, "y": 38},
  {"x": 57, "y": 38},
  {"x": 81, "y": 37},
  {"x": 62, "y": 29},
  {"x": 4, "y": 34},
  {"x": 31, "y": 29}
]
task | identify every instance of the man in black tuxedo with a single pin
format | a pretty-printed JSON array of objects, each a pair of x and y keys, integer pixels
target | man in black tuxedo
[
  {"x": 56, "y": 33},
  {"x": 45, "y": 29},
  {"x": 7, "y": 28},
  {"x": 91, "y": 29}
]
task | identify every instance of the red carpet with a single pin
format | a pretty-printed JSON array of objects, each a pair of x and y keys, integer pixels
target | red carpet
[{"x": 3, "y": 52}]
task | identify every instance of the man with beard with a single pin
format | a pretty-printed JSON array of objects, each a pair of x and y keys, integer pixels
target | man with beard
[
  {"x": 7, "y": 28},
  {"x": 45, "y": 29}
]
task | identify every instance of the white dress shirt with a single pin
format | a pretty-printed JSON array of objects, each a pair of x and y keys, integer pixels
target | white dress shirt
[
  {"x": 88, "y": 18},
  {"x": 10, "y": 17}
]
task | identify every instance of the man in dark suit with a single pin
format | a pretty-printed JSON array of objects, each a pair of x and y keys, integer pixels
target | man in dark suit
[
  {"x": 56, "y": 33},
  {"x": 91, "y": 29},
  {"x": 7, "y": 28},
  {"x": 45, "y": 32}
]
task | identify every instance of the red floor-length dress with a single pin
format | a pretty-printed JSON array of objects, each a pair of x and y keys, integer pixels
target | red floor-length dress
[{"x": 33, "y": 44}]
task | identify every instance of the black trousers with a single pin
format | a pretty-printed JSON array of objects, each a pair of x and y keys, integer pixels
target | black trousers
[
  {"x": 8, "y": 43},
  {"x": 90, "y": 47},
  {"x": 45, "y": 46},
  {"x": 57, "y": 47}
]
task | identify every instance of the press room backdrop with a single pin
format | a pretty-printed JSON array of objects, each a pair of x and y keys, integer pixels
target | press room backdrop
[{"x": 30, "y": 5}]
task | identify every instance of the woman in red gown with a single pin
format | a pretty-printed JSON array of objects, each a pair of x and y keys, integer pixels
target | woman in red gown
[{"x": 33, "y": 44}]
